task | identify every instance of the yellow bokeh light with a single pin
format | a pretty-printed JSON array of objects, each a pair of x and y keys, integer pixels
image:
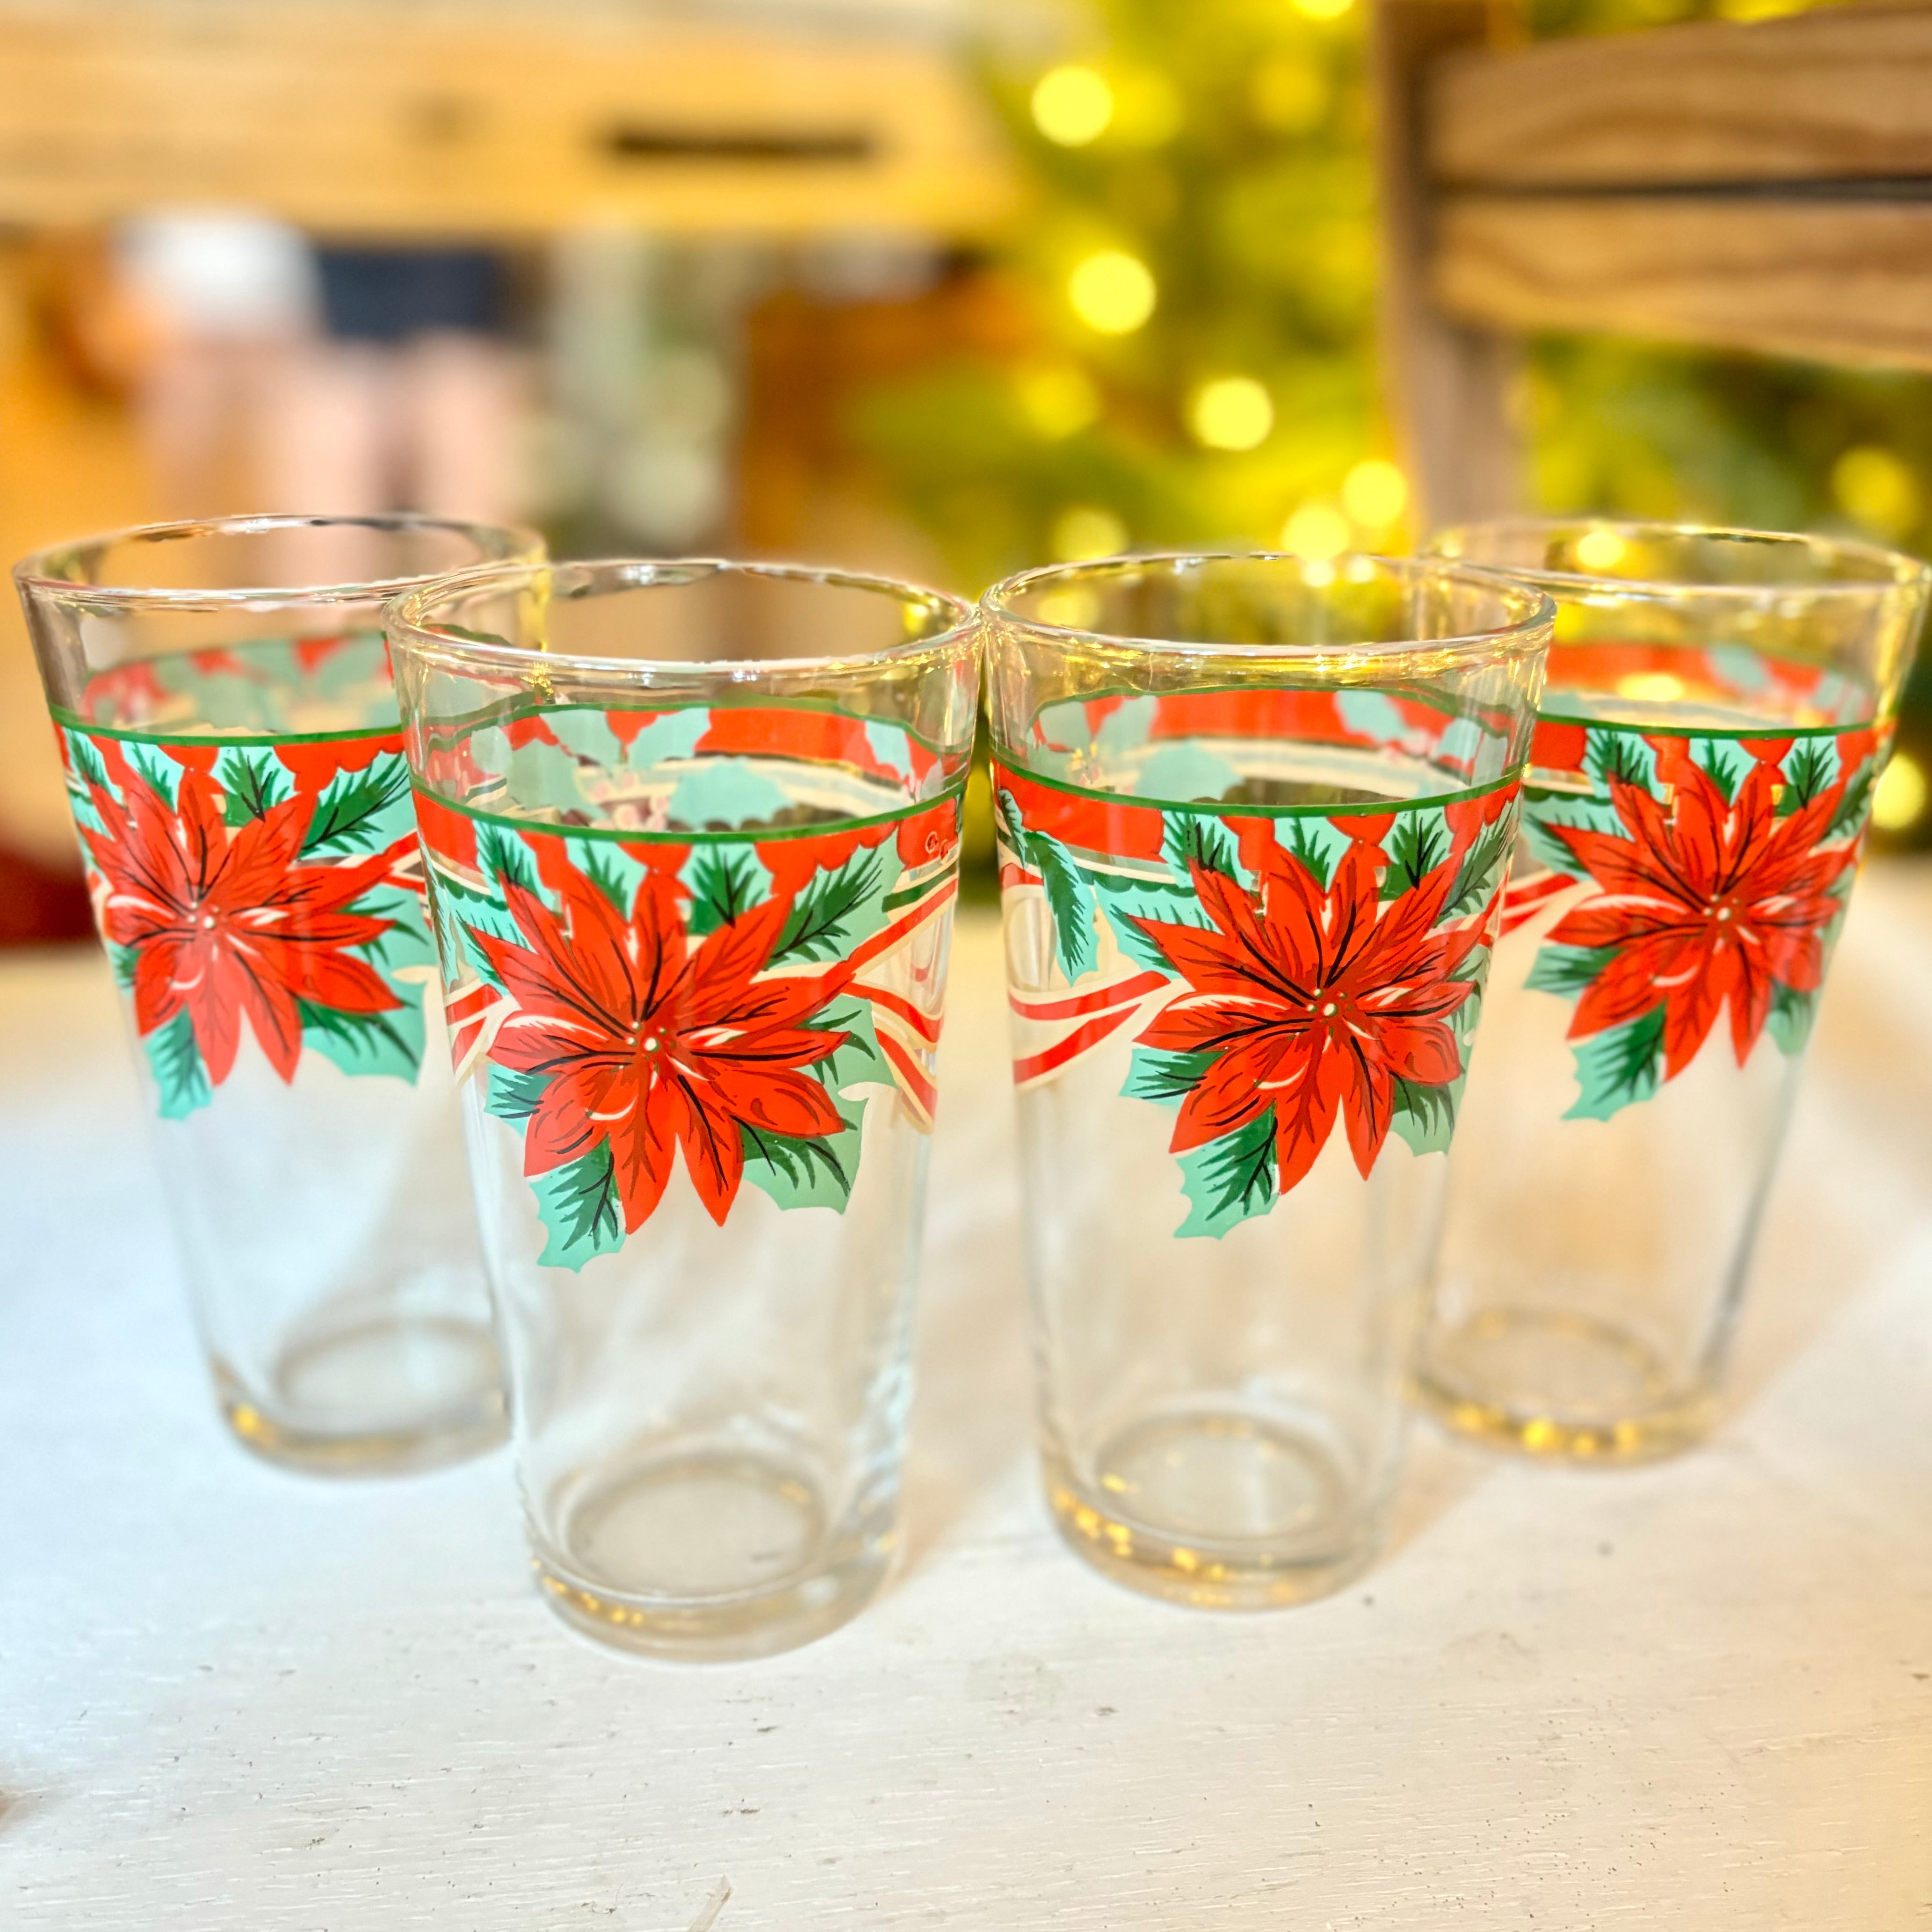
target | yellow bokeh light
[
  {"x": 1289, "y": 95},
  {"x": 1599, "y": 549},
  {"x": 1084, "y": 530},
  {"x": 1230, "y": 412},
  {"x": 1072, "y": 106},
  {"x": 1873, "y": 485},
  {"x": 1058, "y": 399},
  {"x": 1323, "y": 10},
  {"x": 1374, "y": 493},
  {"x": 1112, "y": 293},
  {"x": 1148, "y": 109},
  {"x": 1317, "y": 531},
  {"x": 1900, "y": 799},
  {"x": 1076, "y": 608},
  {"x": 1651, "y": 687}
]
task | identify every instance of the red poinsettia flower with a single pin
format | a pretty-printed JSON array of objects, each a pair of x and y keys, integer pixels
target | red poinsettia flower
[
  {"x": 223, "y": 923},
  {"x": 1704, "y": 902},
  {"x": 1312, "y": 1005},
  {"x": 647, "y": 1042}
]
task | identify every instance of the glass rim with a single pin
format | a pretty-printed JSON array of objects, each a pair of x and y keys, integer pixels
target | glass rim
[
  {"x": 1892, "y": 570},
  {"x": 1525, "y": 634},
  {"x": 408, "y": 617},
  {"x": 40, "y": 571}
]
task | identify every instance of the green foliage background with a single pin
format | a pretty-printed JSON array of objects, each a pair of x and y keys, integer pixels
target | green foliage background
[{"x": 1236, "y": 167}]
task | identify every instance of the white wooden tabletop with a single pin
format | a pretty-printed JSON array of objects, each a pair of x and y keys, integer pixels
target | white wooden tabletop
[{"x": 1695, "y": 1697}]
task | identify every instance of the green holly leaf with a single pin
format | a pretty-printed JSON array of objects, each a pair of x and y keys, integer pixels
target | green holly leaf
[
  {"x": 1617, "y": 1068},
  {"x": 1125, "y": 902},
  {"x": 1789, "y": 1018},
  {"x": 1568, "y": 970},
  {"x": 88, "y": 770},
  {"x": 357, "y": 810},
  {"x": 725, "y": 882},
  {"x": 387, "y": 1042},
  {"x": 1419, "y": 843},
  {"x": 809, "y": 1172},
  {"x": 1850, "y": 816},
  {"x": 174, "y": 1058},
  {"x": 1200, "y": 838},
  {"x": 1071, "y": 900},
  {"x": 580, "y": 1207},
  {"x": 1165, "y": 1079},
  {"x": 252, "y": 785},
  {"x": 511, "y": 1095},
  {"x": 1807, "y": 772},
  {"x": 1483, "y": 868},
  {"x": 840, "y": 906},
  {"x": 1230, "y": 1179},
  {"x": 1316, "y": 853},
  {"x": 1621, "y": 755},
  {"x": 502, "y": 855},
  {"x": 1424, "y": 1118}
]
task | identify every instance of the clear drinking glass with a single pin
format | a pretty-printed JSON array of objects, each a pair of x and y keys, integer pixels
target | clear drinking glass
[
  {"x": 692, "y": 830},
  {"x": 1254, "y": 819},
  {"x": 1718, "y": 709},
  {"x": 222, "y": 698}
]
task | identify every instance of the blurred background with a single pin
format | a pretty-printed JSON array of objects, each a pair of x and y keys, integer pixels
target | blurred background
[{"x": 934, "y": 287}]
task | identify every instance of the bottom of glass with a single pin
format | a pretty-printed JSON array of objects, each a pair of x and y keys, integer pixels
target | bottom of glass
[
  {"x": 713, "y": 1556},
  {"x": 1221, "y": 1508},
  {"x": 388, "y": 1396},
  {"x": 1560, "y": 1386}
]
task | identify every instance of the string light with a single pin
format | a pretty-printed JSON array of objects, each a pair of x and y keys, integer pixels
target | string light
[
  {"x": 1112, "y": 293},
  {"x": 1071, "y": 105},
  {"x": 1230, "y": 412}
]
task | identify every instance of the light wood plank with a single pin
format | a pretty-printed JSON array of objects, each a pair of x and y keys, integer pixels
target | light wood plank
[
  {"x": 1836, "y": 282},
  {"x": 1447, "y": 383},
  {"x": 359, "y": 119},
  {"x": 1841, "y": 93}
]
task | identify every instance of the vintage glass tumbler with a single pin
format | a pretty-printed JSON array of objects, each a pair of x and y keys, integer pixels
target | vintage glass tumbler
[
  {"x": 693, "y": 833},
  {"x": 1717, "y": 712},
  {"x": 1254, "y": 816},
  {"x": 222, "y": 699}
]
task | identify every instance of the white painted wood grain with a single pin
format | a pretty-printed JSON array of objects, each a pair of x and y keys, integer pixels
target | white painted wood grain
[{"x": 1697, "y": 1697}]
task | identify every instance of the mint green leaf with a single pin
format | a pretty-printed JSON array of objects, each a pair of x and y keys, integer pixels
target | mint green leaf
[
  {"x": 1566, "y": 970},
  {"x": 1201, "y": 838},
  {"x": 252, "y": 785},
  {"x": 1165, "y": 1079},
  {"x": 174, "y": 1058},
  {"x": 1418, "y": 844},
  {"x": 1229, "y": 1181},
  {"x": 815, "y": 1171},
  {"x": 725, "y": 881},
  {"x": 580, "y": 1206},
  {"x": 362, "y": 811},
  {"x": 1617, "y": 1068},
  {"x": 839, "y": 906},
  {"x": 1788, "y": 1020},
  {"x": 1808, "y": 772},
  {"x": 359, "y": 1043},
  {"x": 1424, "y": 1118},
  {"x": 1072, "y": 902}
]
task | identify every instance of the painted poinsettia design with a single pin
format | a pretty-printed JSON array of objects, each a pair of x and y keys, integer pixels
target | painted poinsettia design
[
  {"x": 634, "y": 1043},
  {"x": 1720, "y": 868},
  {"x": 227, "y": 924},
  {"x": 1705, "y": 903},
  {"x": 1276, "y": 973},
  {"x": 1314, "y": 1004}
]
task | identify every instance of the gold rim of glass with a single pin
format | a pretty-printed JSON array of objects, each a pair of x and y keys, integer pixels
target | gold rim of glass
[
  {"x": 1885, "y": 571},
  {"x": 1525, "y": 613},
  {"x": 412, "y": 616},
  {"x": 61, "y": 570}
]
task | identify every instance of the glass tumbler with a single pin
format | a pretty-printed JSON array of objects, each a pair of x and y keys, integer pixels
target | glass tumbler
[
  {"x": 1718, "y": 710},
  {"x": 1254, "y": 818},
  {"x": 693, "y": 832},
  {"x": 222, "y": 699}
]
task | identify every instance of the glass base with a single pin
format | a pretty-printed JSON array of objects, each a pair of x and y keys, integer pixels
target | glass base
[
  {"x": 1219, "y": 1508},
  {"x": 1566, "y": 1386},
  {"x": 388, "y": 1397},
  {"x": 708, "y": 1556}
]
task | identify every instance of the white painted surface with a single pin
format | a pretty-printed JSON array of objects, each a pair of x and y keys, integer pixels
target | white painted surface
[{"x": 1698, "y": 1696}]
